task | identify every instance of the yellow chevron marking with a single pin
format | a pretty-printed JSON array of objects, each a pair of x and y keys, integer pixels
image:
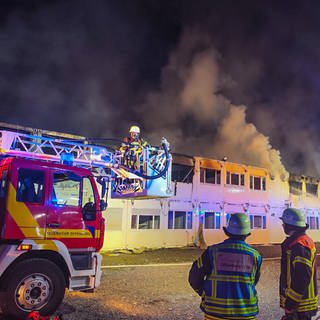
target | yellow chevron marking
[
  {"x": 21, "y": 215},
  {"x": 97, "y": 234},
  {"x": 29, "y": 226}
]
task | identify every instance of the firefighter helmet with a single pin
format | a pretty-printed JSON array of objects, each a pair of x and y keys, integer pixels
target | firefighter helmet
[
  {"x": 135, "y": 129},
  {"x": 293, "y": 217},
  {"x": 238, "y": 225}
]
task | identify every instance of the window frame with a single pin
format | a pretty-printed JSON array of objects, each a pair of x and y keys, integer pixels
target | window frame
[
  {"x": 188, "y": 220},
  {"x": 235, "y": 175},
  {"x": 262, "y": 183},
  {"x": 136, "y": 224},
  {"x": 216, "y": 220},
  {"x": 204, "y": 176}
]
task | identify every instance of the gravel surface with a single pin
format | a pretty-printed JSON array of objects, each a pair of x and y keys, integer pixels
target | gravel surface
[{"x": 158, "y": 293}]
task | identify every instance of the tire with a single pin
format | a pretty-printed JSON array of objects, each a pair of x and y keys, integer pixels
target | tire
[{"x": 34, "y": 284}]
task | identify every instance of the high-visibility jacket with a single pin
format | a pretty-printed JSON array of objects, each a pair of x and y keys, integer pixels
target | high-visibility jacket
[
  {"x": 225, "y": 277},
  {"x": 298, "y": 278}
]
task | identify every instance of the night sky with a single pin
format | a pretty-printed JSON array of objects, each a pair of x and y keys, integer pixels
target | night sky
[{"x": 217, "y": 78}]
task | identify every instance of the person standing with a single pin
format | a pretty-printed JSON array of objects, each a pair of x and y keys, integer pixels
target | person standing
[
  {"x": 298, "y": 277},
  {"x": 132, "y": 148},
  {"x": 226, "y": 274}
]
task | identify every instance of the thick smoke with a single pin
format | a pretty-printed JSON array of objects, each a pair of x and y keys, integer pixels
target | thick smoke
[
  {"x": 190, "y": 92},
  {"x": 178, "y": 70}
]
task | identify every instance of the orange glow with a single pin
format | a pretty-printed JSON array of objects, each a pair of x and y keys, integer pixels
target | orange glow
[{"x": 24, "y": 247}]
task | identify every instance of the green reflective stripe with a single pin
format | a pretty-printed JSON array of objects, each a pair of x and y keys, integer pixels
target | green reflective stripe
[
  {"x": 308, "y": 305},
  {"x": 302, "y": 260},
  {"x": 231, "y": 310},
  {"x": 230, "y": 278},
  {"x": 199, "y": 263},
  {"x": 222, "y": 301},
  {"x": 293, "y": 295}
]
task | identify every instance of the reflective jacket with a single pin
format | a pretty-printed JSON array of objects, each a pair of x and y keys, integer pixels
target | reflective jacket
[
  {"x": 225, "y": 277},
  {"x": 298, "y": 278}
]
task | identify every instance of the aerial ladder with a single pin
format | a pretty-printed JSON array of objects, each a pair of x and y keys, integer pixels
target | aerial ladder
[{"x": 152, "y": 180}]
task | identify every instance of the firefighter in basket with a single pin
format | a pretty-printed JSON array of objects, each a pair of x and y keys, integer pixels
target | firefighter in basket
[{"x": 132, "y": 148}]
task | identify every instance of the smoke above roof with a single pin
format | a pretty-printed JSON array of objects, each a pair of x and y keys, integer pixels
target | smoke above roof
[{"x": 191, "y": 91}]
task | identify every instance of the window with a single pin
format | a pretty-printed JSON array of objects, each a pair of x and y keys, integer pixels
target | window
[
  {"x": 3, "y": 183},
  {"x": 313, "y": 222},
  {"x": 182, "y": 173},
  {"x": 312, "y": 189},
  {"x": 145, "y": 221},
  {"x": 257, "y": 183},
  {"x": 210, "y": 176},
  {"x": 211, "y": 220},
  {"x": 236, "y": 179},
  {"x": 295, "y": 188},
  {"x": 258, "y": 221},
  {"x": 87, "y": 192},
  {"x": 30, "y": 186},
  {"x": 180, "y": 220},
  {"x": 66, "y": 189}
]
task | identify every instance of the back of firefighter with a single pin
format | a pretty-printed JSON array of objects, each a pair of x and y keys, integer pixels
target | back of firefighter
[
  {"x": 298, "y": 278},
  {"x": 226, "y": 274}
]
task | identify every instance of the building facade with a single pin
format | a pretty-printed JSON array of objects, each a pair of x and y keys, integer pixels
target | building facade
[{"x": 205, "y": 193}]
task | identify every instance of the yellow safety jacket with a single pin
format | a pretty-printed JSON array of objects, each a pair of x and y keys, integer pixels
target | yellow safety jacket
[
  {"x": 225, "y": 276},
  {"x": 298, "y": 278}
]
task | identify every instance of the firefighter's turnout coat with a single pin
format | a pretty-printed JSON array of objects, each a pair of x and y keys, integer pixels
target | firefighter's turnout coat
[
  {"x": 225, "y": 277},
  {"x": 298, "y": 278}
]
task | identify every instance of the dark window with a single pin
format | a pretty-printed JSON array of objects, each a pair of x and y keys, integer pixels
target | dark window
[
  {"x": 257, "y": 183},
  {"x": 30, "y": 186},
  {"x": 180, "y": 220},
  {"x": 235, "y": 179},
  {"x": 182, "y": 173},
  {"x": 3, "y": 183},
  {"x": 312, "y": 188},
  {"x": 258, "y": 221},
  {"x": 212, "y": 220},
  {"x": 210, "y": 176},
  {"x": 295, "y": 187},
  {"x": 145, "y": 221},
  {"x": 134, "y": 221}
]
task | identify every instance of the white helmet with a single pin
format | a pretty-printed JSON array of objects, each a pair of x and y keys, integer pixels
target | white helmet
[{"x": 135, "y": 129}]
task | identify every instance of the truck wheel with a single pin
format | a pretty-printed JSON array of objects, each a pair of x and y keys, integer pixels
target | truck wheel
[{"x": 34, "y": 284}]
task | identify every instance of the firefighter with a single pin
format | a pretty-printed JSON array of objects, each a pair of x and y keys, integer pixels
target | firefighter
[
  {"x": 226, "y": 274},
  {"x": 298, "y": 278},
  {"x": 132, "y": 148}
]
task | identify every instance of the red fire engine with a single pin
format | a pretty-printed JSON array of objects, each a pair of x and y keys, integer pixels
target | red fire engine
[{"x": 51, "y": 223}]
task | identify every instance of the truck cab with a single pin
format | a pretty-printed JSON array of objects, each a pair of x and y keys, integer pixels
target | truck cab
[{"x": 50, "y": 217}]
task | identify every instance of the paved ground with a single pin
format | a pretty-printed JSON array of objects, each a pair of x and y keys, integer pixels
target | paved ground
[{"x": 158, "y": 291}]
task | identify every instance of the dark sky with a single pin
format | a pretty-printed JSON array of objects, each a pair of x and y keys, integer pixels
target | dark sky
[{"x": 218, "y": 78}]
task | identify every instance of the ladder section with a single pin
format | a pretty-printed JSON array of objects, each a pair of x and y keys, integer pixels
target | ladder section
[{"x": 78, "y": 153}]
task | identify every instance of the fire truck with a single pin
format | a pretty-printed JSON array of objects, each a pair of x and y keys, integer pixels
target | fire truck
[{"x": 53, "y": 190}]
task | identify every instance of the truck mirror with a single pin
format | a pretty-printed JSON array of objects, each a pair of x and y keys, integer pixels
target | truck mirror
[
  {"x": 103, "y": 205},
  {"x": 89, "y": 211}
]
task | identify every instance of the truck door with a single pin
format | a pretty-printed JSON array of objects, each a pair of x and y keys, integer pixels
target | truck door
[
  {"x": 26, "y": 206},
  {"x": 66, "y": 220}
]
